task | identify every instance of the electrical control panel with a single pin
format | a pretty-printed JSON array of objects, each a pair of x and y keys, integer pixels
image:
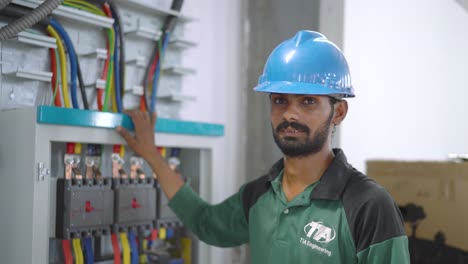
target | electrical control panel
[
  {"x": 76, "y": 192},
  {"x": 79, "y": 194}
]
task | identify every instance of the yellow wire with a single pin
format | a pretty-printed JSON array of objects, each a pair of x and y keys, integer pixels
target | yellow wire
[
  {"x": 122, "y": 151},
  {"x": 77, "y": 250},
  {"x": 125, "y": 247},
  {"x": 81, "y": 4},
  {"x": 142, "y": 255},
  {"x": 63, "y": 65},
  {"x": 162, "y": 233}
]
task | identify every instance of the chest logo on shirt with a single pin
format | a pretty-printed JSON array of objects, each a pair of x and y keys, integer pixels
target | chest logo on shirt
[{"x": 319, "y": 232}]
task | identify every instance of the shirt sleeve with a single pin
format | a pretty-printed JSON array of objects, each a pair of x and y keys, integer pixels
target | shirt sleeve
[
  {"x": 390, "y": 251},
  {"x": 222, "y": 225},
  {"x": 376, "y": 225}
]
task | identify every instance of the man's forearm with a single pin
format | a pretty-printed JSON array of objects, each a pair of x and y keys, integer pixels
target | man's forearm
[{"x": 169, "y": 180}]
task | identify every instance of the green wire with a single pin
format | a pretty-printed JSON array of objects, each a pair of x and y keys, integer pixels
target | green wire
[
  {"x": 57, "y": 62},
  {"x": 110, "y": 69},
  {"x": 82, "y": 5}
]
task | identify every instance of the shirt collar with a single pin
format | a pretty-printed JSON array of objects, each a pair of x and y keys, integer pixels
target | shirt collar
[{"x": 332, "y": 182}]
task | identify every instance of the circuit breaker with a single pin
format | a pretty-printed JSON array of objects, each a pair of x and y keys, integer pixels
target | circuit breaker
[
  {"x": 84, "y": 208},
  {"x": 165, "y": 215},
  {"x": 135, "y": 203}
]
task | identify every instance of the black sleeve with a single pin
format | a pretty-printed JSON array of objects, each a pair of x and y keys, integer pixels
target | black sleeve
[{"x": 372, "y": 214}]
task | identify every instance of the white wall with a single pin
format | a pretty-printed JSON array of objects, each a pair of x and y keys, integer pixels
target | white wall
[
  {"x": 409, "y": 62},
  {"x": 217, "y": 84}
]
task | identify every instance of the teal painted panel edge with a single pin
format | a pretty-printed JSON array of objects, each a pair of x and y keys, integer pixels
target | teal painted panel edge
[{"x": 90, "y": 118}]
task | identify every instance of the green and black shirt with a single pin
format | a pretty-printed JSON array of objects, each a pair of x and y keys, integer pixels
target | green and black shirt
[{"x": 343, "y": 218}]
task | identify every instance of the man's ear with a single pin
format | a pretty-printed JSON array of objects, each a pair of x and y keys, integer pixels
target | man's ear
[{"x": 341, "y": 109}]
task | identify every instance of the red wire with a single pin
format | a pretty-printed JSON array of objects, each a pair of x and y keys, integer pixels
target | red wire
[
  {"x": 150, "y": 80},
  {"x": 116, "y": 248},
  {"x": 67, "y": 255},
  {"x": 142, "y": 104},
  {"x": 100, "y": 92},
  {"x": 53, "y": 69}
]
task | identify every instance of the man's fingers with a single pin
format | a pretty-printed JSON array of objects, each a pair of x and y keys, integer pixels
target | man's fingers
[
  {"x": 126, "y": 135},
  {"x": 154, "y": 118}
]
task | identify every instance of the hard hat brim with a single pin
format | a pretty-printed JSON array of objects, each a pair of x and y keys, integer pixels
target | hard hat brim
[{"x": 284, "y": 87}]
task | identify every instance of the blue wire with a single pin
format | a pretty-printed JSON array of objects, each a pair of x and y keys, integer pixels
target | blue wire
[
  {"x": 88, "y": 245},
  {"x": 117, "y": 69},
  {"x": 157, "y": 71},
  {"x": 149, "y": 245},
  {"x": 72, "y": 55},
  {"x": 134, "y": 247}
]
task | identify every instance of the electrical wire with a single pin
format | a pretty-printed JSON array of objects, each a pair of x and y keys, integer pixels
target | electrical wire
[
  {"x": 77, "y": 251},
  {"x": 116, "y": 248},
  {"x": 26, "y": 21},
  {"x": 57, "y": 95},
  {"x": 168, "y": 26},
  {"x": 148, "y": 73},
  {"x": 78, "y": 4},
  {"x": 117, "y": 91},
  {"x": 72, "y": 56},
  {"x": 157, "y": 72},
  {"x": 63, "y": 65},
  {"x": 152, "y": 70},
  {"x": 125, "y": 247},
  {"x": 88, "y": 246},
  {"x": 67, "y": 254},
  {"x": 134, "y": 247},
  {"x": 144, "y": 246},
  {"x": 54, "y": 81},
  {"x": 121, "y": 45},
  {"x": 84, "y": 6},
  {"x": 110, "y": 71},
  {"x": 84, "y": 97}
]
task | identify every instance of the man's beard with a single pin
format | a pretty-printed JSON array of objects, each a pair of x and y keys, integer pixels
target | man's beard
[{"x": 296, "y": 147}]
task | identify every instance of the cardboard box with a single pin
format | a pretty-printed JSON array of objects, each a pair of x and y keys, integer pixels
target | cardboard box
[{"x": 441, "y": 188}]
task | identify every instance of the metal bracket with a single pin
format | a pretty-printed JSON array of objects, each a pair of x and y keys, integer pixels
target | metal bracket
[{"x": 42, "y": 171}]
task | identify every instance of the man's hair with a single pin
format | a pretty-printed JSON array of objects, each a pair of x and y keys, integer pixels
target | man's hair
[{"x": 333, "y": 100}]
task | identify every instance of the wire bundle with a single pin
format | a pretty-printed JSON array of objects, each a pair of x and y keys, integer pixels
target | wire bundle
[
  {"x": 153, "y": 70},
  {"x": 114, "y": 66}
]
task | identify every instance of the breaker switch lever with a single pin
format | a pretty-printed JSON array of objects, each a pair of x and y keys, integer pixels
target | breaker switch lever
[
  {"x": 88, "y": 207},
  {"x": 135, "y": 204}
]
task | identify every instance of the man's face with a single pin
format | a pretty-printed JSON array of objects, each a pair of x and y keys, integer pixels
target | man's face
[{"x": 300, "y": 123}]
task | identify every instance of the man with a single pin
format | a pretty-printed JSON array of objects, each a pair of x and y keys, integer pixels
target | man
[{"x": 312, "y": 206}]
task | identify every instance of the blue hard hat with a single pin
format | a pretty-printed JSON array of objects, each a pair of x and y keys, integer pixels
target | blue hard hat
[{"x": 307, "y": 64}]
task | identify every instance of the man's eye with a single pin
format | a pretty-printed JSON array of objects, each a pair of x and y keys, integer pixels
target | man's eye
[
  {"x": 279, "y": 100},
  {"x": 309, "y": 101}
]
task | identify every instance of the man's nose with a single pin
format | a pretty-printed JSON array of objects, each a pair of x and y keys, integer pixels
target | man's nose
[{"x": 291, "y": 113}]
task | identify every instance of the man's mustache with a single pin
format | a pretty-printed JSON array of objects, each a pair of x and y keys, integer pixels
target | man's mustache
[{"x": 295, "y": 125}]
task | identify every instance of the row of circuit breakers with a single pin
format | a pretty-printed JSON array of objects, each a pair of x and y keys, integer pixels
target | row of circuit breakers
[{"x": 92, "y": 205}]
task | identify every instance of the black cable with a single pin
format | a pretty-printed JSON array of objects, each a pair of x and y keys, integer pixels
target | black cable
[
  {"x": 168, "y": 26},
  {"x": 115, "y": 13},
  {"x": 4, "y": 3},
  {"x": 16, "y": 11},
  {"x": 84, "y": 97},
  {"x": 33, "y": 17}
]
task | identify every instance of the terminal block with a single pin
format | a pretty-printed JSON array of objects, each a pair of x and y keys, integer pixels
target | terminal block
[
  {"x": 135, "y": 204},
  {"x": 84, "y": 207}
]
